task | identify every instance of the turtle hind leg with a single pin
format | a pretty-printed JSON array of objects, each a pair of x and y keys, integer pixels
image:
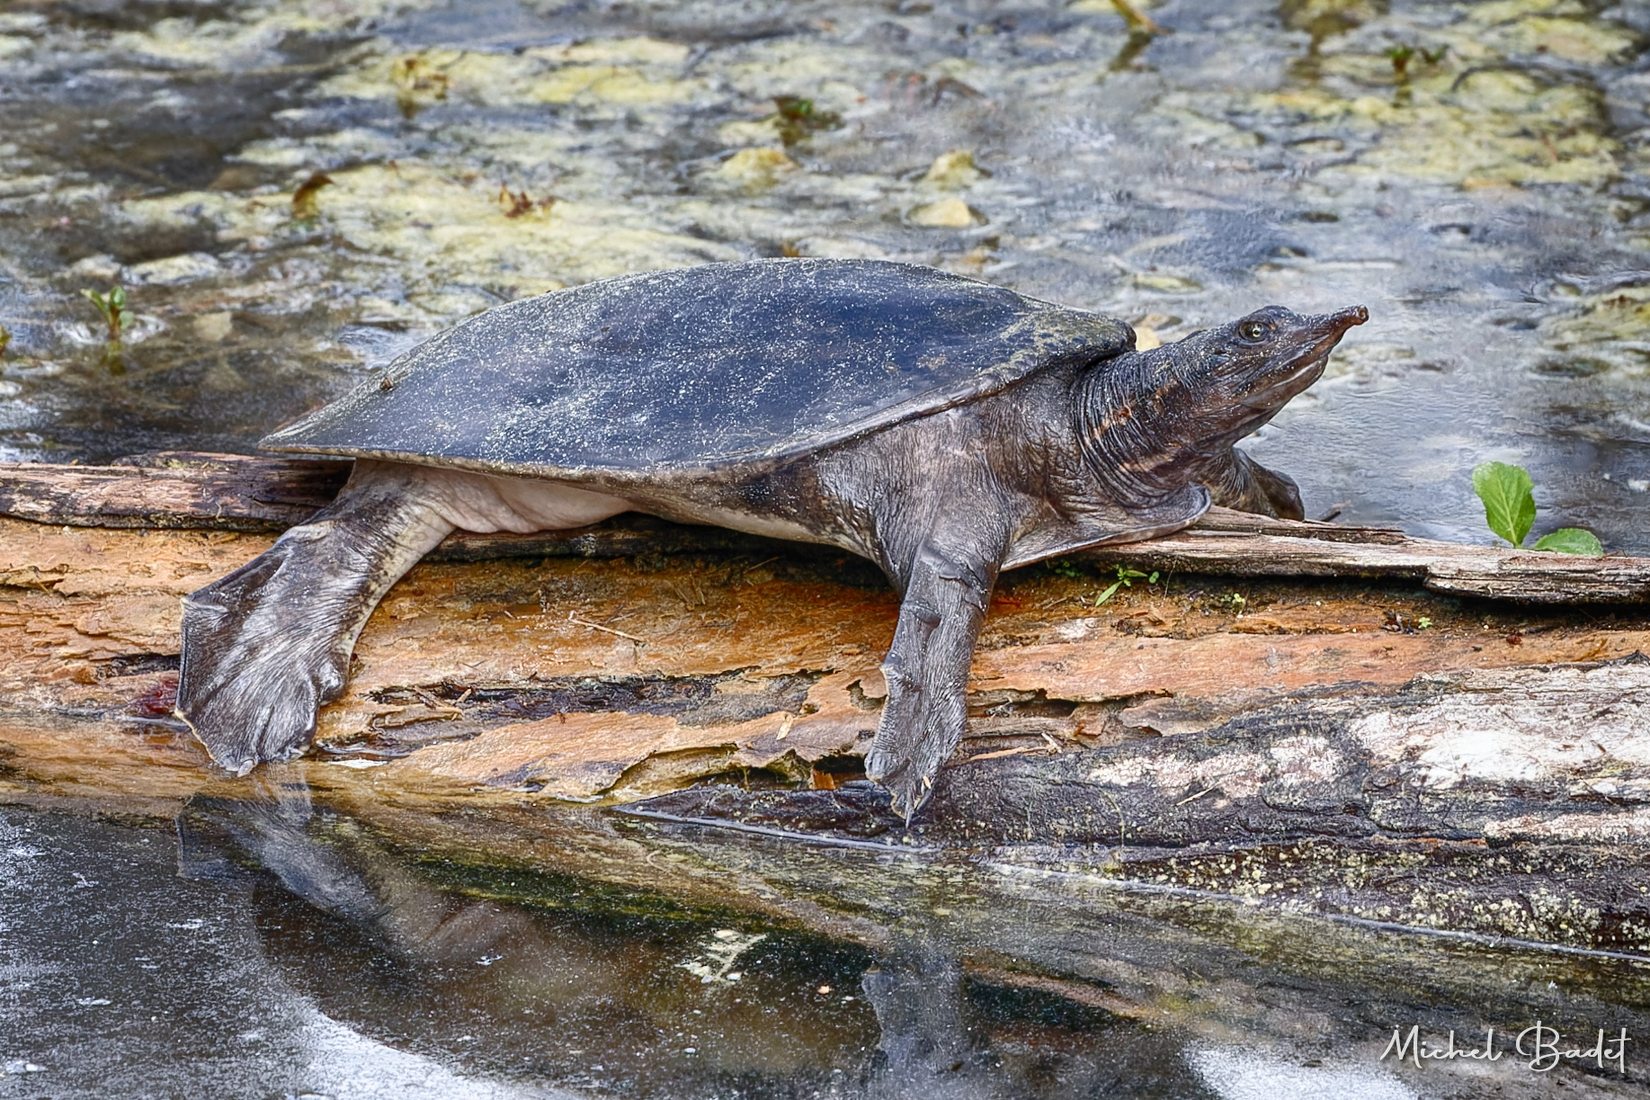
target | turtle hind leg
[{"x": 265, "y": 646}]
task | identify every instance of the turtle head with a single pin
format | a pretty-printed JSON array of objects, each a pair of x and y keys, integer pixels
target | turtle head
[
  {"x": 1239, "y": 375},
  {"x": 1172, "y": 414}
]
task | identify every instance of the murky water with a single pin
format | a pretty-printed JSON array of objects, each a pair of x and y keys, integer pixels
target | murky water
[
  {"x": 272, "y": 948},
  {"x": 270, "y": 962},
  {"x": 1474, "y": 172}
]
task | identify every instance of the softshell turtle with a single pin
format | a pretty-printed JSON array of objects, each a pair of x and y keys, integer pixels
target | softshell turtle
[{"x": 942, "y": 427}]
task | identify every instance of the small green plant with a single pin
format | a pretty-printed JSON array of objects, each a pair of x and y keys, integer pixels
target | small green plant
[
  {"x": 1402, "y": 54},
  {"x": 1509, "y": 510},
  {"x": 1064, "y": 567},
  {"x": 1125, "y": 579},
  {"x": 799, "y": 119},
  {"x": 5, "y": 340},
  {"x": 112, "y": 305},
  {"x": 1423, "y": 623}
]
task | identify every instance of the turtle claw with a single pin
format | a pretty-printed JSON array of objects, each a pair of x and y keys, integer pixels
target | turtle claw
[
  {"x": 907, "y": 791},
  {"x": 918, "y": 732}
]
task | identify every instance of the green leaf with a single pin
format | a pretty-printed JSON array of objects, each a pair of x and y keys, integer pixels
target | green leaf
[
  {"x": 1108, "y": 593},
  {"x": 1571, "y": 540},
  {"x": 1509, "y": 499}
]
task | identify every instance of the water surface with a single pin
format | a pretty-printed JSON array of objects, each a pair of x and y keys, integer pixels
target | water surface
[
  {"x": 1488, "y": 200},
  {"x": 274, "y": 948}
]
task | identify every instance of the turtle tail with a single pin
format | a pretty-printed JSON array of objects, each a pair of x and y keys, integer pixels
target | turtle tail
[{"x": 265, "y": 646}]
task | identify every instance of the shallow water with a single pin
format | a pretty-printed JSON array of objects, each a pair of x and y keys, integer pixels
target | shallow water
[
  {"x": 270, "y": 964},
  {"x": 279, "y": 949},
  {"x": 1490, "y": 204}
]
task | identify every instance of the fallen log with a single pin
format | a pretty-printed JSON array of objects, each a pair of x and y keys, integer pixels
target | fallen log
[
  {"x": 1459, "y": 802},
  {"x": 1549, "y": 755},
  {"x": 1171, "y": 732},
  {"x": 239, "y": 493}
]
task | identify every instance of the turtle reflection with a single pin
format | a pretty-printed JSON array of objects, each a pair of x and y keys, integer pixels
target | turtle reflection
[{"x": 618, "y": 992}]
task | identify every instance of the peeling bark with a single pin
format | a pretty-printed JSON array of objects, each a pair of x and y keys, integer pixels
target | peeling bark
[{"x": 1504, "y": 802}]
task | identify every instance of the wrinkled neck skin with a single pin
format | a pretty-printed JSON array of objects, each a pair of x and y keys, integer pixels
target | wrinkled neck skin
[{"x": 1147, "y": 433}]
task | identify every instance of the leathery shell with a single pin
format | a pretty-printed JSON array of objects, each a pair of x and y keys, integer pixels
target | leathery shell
[{"x": 699, "y": 369}]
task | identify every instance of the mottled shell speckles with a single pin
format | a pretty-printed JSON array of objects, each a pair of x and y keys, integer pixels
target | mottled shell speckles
[{"x": 724, "y": 365}]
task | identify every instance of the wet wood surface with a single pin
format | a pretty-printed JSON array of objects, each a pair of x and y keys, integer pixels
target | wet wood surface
[{"x": 1304, "y": 702}]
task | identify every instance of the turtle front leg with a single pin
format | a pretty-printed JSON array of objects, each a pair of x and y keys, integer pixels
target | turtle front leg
[
  {"x": 926, "y": 714},
  {"x": 1250, "y": 487},
  {"x": 265, "y": 646}
]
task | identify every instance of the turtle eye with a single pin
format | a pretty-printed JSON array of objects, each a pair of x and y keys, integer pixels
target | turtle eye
[{"x": 1254, "y": 331}]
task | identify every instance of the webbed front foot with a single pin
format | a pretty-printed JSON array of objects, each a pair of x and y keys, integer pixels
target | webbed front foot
[
  {"x": 1248, "y": 486},
  {"x": 917, "y": 735},
  {"x": 926, "y": 714}
]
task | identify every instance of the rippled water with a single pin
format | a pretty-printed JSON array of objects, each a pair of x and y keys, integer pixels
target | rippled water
[
  {"x": 1490, "y": 203},
  {"x": 265, "y": 948},
  {"x": 270, "y": 961}
]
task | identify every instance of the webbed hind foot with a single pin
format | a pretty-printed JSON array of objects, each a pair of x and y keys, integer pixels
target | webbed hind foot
[
  {"x": 266, "y": 646},
  {"x": 256, "y": 669}
]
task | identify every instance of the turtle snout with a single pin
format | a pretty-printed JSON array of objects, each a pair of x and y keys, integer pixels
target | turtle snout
[
  {"x": 1322, "y": 332},
  {"x": 1351, "y": 315}
]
